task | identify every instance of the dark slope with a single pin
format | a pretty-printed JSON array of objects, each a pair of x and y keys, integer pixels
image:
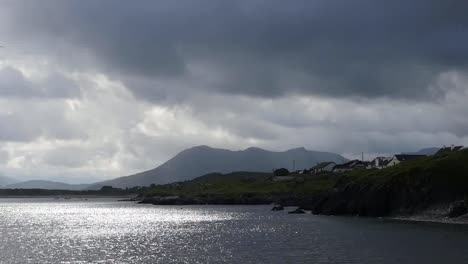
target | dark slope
[{"x": 406, "y": 188}]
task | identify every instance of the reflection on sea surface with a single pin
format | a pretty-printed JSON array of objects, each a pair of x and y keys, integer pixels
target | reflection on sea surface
[{"x": 106, "y": 231}]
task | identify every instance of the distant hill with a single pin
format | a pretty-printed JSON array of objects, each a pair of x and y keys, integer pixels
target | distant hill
[
  {"x": 48, "y": 185},
  {"x": 424, "y": 151},
  {"x": 201, "y": 160},
  {"x": 6, "y": 180}
]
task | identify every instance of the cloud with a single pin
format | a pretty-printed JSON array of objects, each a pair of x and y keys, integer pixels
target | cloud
[
  {"x": 13, "y": 83},
  {"x": 91, "y": 90},
  {"x": 363, "y": 49}
]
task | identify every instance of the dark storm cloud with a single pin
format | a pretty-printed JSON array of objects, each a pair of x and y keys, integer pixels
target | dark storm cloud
[{"x": 263, "y": 48}]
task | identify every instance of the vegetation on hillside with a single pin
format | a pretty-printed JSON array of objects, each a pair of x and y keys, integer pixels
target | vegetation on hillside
[
  {"x": 445, "y": 173},
  {"x": 406, "y": 187},
  {"x": 238, "y": 183}
]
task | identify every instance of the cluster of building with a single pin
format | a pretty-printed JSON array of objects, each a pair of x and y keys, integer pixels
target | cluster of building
[{"x": 377, "y": 163}]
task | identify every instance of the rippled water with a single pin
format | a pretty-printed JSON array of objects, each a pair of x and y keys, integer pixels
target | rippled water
[{"x": 107, "y": 231}]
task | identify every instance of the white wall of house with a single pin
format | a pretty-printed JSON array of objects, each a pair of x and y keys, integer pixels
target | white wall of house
[{"x": 393, "y": 162}]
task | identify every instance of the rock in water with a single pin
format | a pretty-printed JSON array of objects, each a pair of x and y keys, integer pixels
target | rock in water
[
  {"x": 297, "y": 211},
  {"x": 457, "y": 208},
  {"x": 277, "y": 208}
]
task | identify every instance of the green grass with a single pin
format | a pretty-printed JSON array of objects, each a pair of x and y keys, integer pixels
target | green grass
[
  {"x": 448, "y": 171},
  {"x": 243, "y": 183}
]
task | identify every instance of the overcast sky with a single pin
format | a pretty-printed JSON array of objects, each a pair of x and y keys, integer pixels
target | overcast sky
[{"x": 91, "y": 90}]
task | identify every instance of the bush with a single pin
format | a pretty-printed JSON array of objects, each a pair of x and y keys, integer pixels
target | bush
[{"x": 281, "y": 172}]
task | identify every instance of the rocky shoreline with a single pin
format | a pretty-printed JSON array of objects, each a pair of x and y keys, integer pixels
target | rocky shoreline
[
  {"x": 463, "y": 220},
  {"x": 325, "y": 204},
  {"x": 213, "y": 199}
]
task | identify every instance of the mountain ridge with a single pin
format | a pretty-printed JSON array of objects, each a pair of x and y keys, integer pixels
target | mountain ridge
[{"x": 199, "y": 160}]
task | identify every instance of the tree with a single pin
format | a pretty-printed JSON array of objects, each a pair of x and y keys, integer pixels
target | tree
[{"x": 281, "y": 172}]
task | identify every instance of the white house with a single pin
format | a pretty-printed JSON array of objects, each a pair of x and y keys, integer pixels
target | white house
[
  {"x": 324, "y": 167},
  {"x": 379, "y": 163}
]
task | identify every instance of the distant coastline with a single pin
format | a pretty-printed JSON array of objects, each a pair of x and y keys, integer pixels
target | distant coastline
[{"x": 427, "y": 189}]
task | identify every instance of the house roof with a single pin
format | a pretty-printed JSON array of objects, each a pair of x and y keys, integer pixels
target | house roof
[
  {"x": 449, "y": 149},
  {"x": 405, "y": 157},
  {"x": 350, "y": 164}
]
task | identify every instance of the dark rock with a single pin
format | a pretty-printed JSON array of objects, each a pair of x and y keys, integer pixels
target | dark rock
[
  {"x": 277, "y": 208},
  {"x": 457, "y": 208},
  {"x": 297, "y": 211},
  {"x": 216, "y": 199}
]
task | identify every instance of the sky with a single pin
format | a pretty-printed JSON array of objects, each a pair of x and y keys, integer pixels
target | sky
[{"x": 91, "y": 90}]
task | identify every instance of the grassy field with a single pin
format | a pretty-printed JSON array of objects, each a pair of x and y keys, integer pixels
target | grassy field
[
  {"x": 244, "y": 183},
  {"x": 446, "y": 173}
]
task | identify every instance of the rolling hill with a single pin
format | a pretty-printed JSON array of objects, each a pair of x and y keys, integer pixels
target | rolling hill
[
  {"x": 6, "y": 180},
  {"x": 47, "y": 185}
]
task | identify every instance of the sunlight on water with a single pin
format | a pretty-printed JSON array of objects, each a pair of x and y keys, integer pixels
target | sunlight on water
[
  {"x": 92, "y": 219},
  {"x": 106, "y": 231}
]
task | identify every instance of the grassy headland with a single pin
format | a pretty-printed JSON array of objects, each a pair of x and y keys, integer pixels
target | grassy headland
[
  {"x": 239, "y": 183},
  {"x": 406, "y": 188}
]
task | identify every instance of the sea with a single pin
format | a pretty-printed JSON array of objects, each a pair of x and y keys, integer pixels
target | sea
[{"x": 48, "y": 230}]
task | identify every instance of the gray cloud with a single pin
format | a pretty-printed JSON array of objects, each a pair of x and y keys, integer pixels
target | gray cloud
[
  {"x": 27, "y": 120},
  {"x": 98, "y": 89},
  {"x": 14, "y": 84},
  {"x": 361, "y": 48}
]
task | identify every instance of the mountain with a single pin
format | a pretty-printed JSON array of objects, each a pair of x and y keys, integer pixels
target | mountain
[
  {"x": 48, "y": 185},
  {"x": 424, "y": 151},
  {"x": 201, "y": 160},
  {"x": 6, "y": 180}
]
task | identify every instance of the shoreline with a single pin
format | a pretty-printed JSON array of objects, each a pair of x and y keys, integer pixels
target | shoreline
[
  {"x": 463, "y": 220},
  {"x": 436, "y": 214},
  {"x": 62, "y": 197},
  {"x": 417, "y": 218}
]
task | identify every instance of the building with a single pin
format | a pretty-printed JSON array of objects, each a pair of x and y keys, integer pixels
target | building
[
  {"x": 445, "y": 149},
  {"x": 402, "y": 158},
  {"x": 323, "y": 167},
  {"x": 379, "y": 162},
  {"x": 350, "y": 165}
]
